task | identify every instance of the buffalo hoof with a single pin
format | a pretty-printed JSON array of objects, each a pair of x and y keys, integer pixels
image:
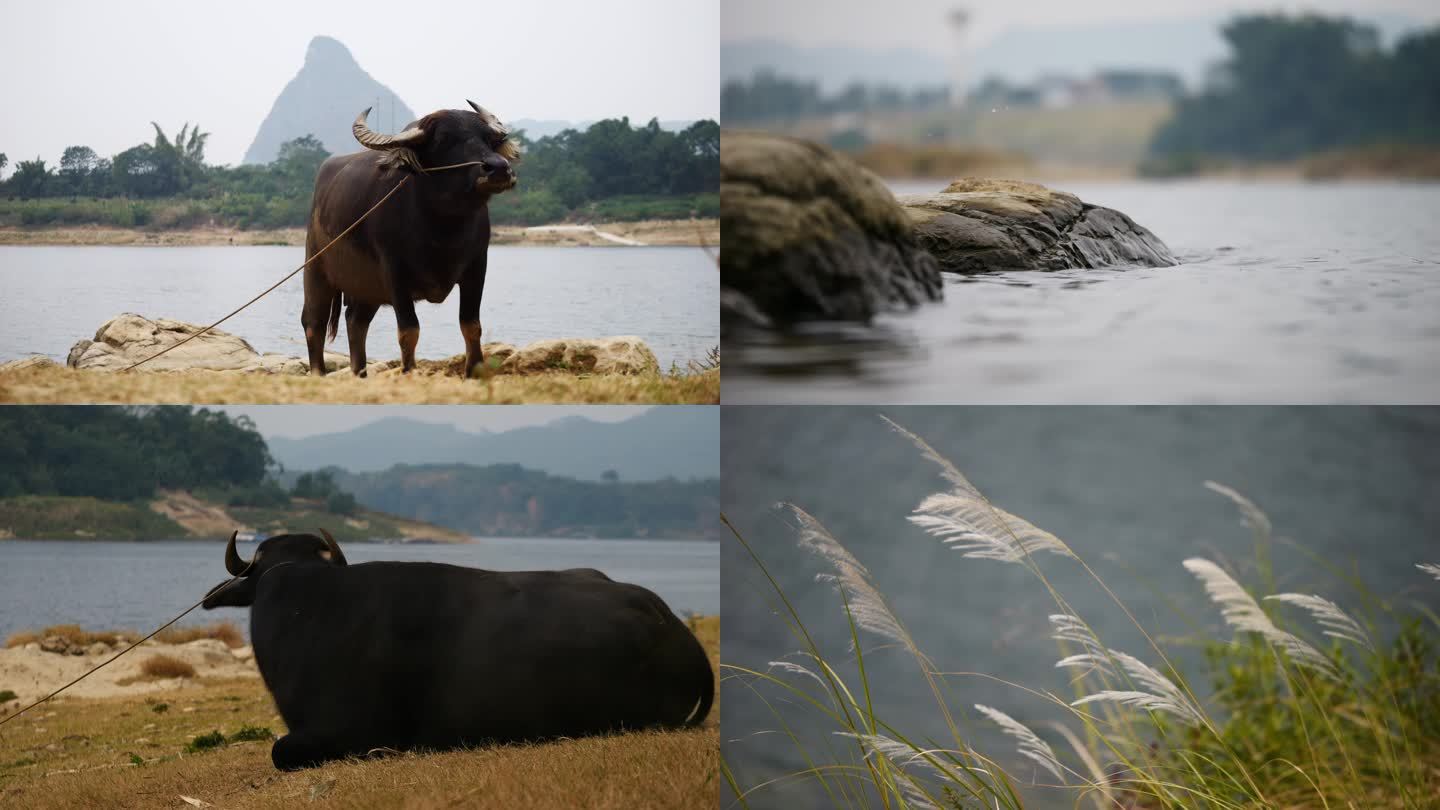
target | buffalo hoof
[{"x": 293, "y": 752}]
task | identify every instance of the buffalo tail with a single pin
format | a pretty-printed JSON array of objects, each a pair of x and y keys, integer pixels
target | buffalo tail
[{"x": 333, "y": 327}]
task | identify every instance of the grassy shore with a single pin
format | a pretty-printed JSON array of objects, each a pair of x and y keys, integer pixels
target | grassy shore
[
  {"x": 127, "y": 752},
  {"x": 693, "y": 232},
  {"x": 55, "y": 385}
]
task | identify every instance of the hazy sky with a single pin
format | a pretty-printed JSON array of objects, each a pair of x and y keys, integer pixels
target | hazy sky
[
  {"x": 97, "y": 73},
  {"x": 296, "y": 421},
  {"x": 919, "y": 23}
]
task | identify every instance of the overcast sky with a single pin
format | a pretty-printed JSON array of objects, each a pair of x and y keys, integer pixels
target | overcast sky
[
  {"x": 920, "y": 23},
  {"x": 298, "y": 421},
  {"x": 97, "y": 73}
]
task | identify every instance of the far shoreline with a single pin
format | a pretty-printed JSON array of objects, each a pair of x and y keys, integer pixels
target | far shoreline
[{"x": 702, "y": 233}]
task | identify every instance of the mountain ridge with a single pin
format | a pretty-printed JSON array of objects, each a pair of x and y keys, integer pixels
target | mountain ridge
[
  {"x": 674, "y": 441},
  {"x": 322, "y": 99}
]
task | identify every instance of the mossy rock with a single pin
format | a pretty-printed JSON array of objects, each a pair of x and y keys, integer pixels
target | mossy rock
[
  {"x": 807, "y": 234},
  {"x": 979, "y": 225}
]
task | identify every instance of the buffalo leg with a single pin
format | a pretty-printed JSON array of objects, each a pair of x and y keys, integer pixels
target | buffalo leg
[
  {"x": 357, "y": 325},
  {"x": 319, "y": 297},
  {"x": 472, "y": 286},
  {"x": 408, "y": 324}
]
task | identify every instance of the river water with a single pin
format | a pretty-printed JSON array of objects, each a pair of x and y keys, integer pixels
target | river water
[
  {"x": 1356, "y": 488},
  {"x": 139, "y": 586},
  {"x": 1287, "y": 292},
  {"x": 54, "y": 296}
]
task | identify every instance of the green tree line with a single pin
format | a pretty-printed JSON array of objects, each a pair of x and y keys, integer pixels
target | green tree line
[
  {"x": 126, "y": 454},
  {"x": 1297, "y": 85},
  {"x": 611, "y": 170}
]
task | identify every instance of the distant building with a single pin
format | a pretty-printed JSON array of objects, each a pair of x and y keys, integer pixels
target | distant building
[{"x": 1057, "y": 91}]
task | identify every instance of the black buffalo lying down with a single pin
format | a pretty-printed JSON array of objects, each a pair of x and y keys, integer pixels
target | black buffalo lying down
[{"x": 411, "y": 655}]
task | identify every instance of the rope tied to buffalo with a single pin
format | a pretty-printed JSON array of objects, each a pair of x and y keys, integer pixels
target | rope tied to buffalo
[
  {"x": 307, "y": 262},
  {"x": 113, "y": 658}
]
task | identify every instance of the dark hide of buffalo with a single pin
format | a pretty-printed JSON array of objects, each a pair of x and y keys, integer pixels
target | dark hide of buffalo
[
  {"x": 427, "y": 239},
  {"x": 406, "y": 655}
]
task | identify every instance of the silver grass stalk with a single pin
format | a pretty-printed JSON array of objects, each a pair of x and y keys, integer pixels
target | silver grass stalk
[
  {"x": 1242, "y": 612},
  {"x": 947, "y": 470},
  {"x": 902, "y": 755},
  {"x": 964, "y": 520},
  {"x": 1327, "y": 614},
  {"x": 1251, "y": 514},
  {"x": 1030, "y": 745},
  {"x": 796, "y": 669},
  {"x": 1069, "y": 628},
  {"x": 1430, "y": 568},
  {"x": 1164, "y": 695},
  {"x": 867, "y": 606},
  {"x": 905, "y": 755}
]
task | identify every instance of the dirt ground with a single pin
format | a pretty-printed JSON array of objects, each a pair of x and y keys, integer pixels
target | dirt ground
[
  {"x": 58, "y": 385},
  {"x": 651, "y": 232},
  {"x": 133, "y": 749}
]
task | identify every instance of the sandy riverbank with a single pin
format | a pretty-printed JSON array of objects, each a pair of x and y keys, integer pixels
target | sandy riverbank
[
  {"x": 699, "y": 232},
  {"x": 32, "y": 673}
]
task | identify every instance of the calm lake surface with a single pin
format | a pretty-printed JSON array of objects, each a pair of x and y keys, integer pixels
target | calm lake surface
[
  {"x": 142, "y": 585},
  {"x": 55, "y": 296},
  {"x": 1359, "y": 488},
  {"x": 1287, "y": 292}
]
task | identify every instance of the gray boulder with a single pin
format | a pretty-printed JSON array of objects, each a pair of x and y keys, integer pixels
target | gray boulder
[
  {"x": 806, "y": 234},
  {"x": 129, "y": 338},
  {"x": 977, "y": 225}
]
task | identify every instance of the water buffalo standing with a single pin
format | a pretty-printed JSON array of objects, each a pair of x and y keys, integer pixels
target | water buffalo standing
[
  {"x": 414, "y": 655},
  {"x": 432, "y": 235}
]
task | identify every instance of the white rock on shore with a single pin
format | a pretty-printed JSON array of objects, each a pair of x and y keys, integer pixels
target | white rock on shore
[{"x": 130, "y": 338}]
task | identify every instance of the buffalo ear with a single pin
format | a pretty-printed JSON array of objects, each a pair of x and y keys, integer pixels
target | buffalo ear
[{"x": 231, "y": 593}]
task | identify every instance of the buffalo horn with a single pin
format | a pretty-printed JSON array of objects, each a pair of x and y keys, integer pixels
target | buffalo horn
[
  {"x": 336, "y": 555},
  {"x": 374, "y": 140},
  {"x": 489, "y": 117},
  {"x": 236, "y": 566}
]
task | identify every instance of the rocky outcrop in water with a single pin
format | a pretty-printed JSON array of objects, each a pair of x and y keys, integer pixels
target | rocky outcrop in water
[
  {"x": 130, "y": 338},
  {"x": 977, "y": 225},
  {"x": 806, "y": 234}
]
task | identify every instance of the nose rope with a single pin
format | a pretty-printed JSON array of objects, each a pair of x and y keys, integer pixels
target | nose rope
[
  {"x": 111, "y": 660},
  {"x": 292, "y": 273}
]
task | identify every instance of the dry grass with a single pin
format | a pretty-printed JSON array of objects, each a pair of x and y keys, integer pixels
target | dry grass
[
  {"x": 222, "y": 631},
  {"x": 78, "y": 753},
  {"x": 938, "y": 160},
  {"x": 57, "y": 385},
  {"x": 72, "y": 633},
  {"x": 163, "y": 666}
]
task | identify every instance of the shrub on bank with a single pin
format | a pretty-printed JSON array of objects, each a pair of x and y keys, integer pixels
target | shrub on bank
[{"x": 164, "y": 666}]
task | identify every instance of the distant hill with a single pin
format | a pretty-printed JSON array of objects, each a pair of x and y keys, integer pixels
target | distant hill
[
  {"x": 672, "y": 441},
  {"x": 323, "y": 99},
  {"x": 507, "y": 500}
]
